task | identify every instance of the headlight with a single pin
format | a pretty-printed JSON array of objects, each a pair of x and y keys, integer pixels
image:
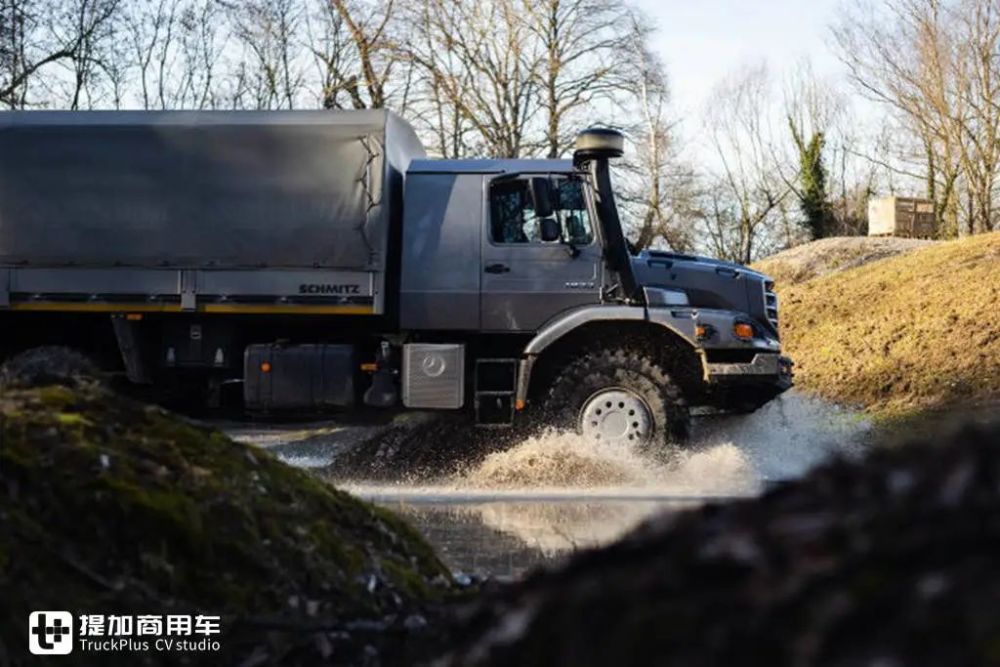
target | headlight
[{"x": 743, "y": 330}]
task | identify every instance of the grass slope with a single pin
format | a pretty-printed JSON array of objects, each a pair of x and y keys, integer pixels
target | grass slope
[
  {"x": 905, "y": 334},
  {"x": 819, "y": 258}
]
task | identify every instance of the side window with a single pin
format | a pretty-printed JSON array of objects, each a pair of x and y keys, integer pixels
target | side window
[
  {"x": 571, "y": 211},
  {"x": 513, "y": 219}
]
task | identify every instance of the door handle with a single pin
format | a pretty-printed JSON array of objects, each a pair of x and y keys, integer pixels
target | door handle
[{"x": 497, "y": 268}]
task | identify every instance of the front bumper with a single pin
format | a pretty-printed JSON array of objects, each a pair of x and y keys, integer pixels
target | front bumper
[
  {"x": 765, "y": 367},
  {"x": 744, "y": 387},
  {"x": 737, "y": 374}
]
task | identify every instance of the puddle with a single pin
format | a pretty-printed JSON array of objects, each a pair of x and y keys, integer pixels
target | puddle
[
  {"x": 505, "y": 538},
  {"x": 499, "y": 510}
]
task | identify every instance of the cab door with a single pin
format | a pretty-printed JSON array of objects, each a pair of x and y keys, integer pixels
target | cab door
[{"x": 527, "y": 280}]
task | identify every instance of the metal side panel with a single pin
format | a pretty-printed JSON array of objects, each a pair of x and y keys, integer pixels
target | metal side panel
[
  {"x": 123, "y": 280},
  {"x": 223, "y": 291},
  {"x": 287, "y": 283},
  {"x": 441, "y": 267}
]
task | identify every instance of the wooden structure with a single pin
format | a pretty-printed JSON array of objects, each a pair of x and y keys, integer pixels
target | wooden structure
[{"x": 901, "y": 216}]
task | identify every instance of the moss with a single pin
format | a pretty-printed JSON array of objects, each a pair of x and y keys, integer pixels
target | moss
[
  {"x": 111, "y": 504},
  {"x": 72, "y": 419}
]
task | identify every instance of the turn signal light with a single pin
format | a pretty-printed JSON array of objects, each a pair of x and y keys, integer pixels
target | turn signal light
[
  {"x": 743, "y": 331},
  {"x": 265, "y": 367}
]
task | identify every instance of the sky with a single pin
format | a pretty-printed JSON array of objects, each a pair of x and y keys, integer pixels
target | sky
[{"x": 701, "y": 41}]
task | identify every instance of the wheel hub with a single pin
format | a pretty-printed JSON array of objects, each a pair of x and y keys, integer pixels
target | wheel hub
[{"x": 616, "y": 416}]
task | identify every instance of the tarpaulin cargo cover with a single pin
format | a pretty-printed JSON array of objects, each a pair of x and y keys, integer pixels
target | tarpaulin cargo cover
[{"x": 298, "y": 189}]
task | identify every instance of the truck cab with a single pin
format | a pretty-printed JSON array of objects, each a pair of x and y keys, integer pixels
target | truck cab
[
  {"x": 528, "y": 256},
  {"x": 475, "y": 255}
]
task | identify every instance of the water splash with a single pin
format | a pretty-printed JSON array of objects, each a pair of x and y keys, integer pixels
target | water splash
[
  {"x": 557, "y": 492},
  {"x": 790, "y": 435},
  {"x": 557, "y": 460},
  {"x": 730, "y": 456}
]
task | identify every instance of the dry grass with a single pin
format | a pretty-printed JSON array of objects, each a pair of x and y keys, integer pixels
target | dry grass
[
  {"x": 826, "y": 256},
  {"x": 910, "y": 333}
]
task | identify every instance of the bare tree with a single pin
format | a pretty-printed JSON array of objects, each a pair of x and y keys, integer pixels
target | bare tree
[
  {"x": 582, "y": 42},
  {"x": 367, "y": 25},
  {"x": 89, "y": 25},
  {"x": 203, "y": 43},
  {"x": 977, "y": 118},
  {"x": 901, "y": 55},
  {"x": 441, "y": 83},
  {"x": 23, "y": 51},
  {"x": 270, "y": 75},
  {"x": 35, "y": 34},
  {"x": 480, "y": 59},
  {"x": 329, "y": 44},
  {"x": 658, "y": 189},
  {"x": 747, "y": 192},
  {"x": 151, "y": 26}
]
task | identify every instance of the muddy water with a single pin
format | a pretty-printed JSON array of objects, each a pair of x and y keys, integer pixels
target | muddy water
[{"x": 537, "y": 500}]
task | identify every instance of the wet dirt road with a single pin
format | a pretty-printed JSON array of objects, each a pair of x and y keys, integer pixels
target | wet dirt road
[{"x": 506, "y": 509}]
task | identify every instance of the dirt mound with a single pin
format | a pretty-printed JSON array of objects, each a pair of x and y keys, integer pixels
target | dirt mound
[
  {"x": 906, "y": 334},
  {"x": 889, "y": 561},
  {"x": 826, "y": 256},
  {"x": 108, "y": 506},
  {"x": 44, "y": 366}
]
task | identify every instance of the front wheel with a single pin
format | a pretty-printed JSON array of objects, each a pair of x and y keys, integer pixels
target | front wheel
[{"x": 619, "y": 397}]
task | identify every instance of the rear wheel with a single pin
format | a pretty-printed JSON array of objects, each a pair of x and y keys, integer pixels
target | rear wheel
[{"x": 619, "y": 397}]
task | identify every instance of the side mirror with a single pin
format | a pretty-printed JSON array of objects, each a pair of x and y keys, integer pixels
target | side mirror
[
  {"x": 549, "y": 229},
  {"x": 541, "y": 196}
]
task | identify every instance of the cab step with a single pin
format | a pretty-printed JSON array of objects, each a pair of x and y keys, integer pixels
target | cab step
[{"x": 495, "y": 388}]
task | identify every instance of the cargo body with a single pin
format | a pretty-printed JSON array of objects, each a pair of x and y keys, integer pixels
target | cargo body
[
  {"x": 901, "y": 216},
  {"x": 315, "y": 261},
  {"x": 231, "y": 212}
]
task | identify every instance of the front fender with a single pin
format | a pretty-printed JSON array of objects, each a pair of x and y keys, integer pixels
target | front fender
[
  {"x": 565, "y": 323},
  {"x": 681, "y": 321},
  {"x": 562, "y": 324}
]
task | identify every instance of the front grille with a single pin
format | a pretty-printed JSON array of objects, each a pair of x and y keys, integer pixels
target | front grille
[{"x": 771, "y": 303}]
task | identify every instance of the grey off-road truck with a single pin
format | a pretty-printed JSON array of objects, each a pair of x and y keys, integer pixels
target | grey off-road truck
[{"x": 309, "y": 261}]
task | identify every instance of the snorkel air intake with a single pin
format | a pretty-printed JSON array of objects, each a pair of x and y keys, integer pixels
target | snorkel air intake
[{"x": 594, "y": 148}]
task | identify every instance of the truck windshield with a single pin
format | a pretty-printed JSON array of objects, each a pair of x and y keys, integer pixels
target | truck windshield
[{"x": 513, "y": 220}]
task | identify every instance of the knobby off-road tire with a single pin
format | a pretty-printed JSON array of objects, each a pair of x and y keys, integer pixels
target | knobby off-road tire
[{"x": 618, "y": 393}]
